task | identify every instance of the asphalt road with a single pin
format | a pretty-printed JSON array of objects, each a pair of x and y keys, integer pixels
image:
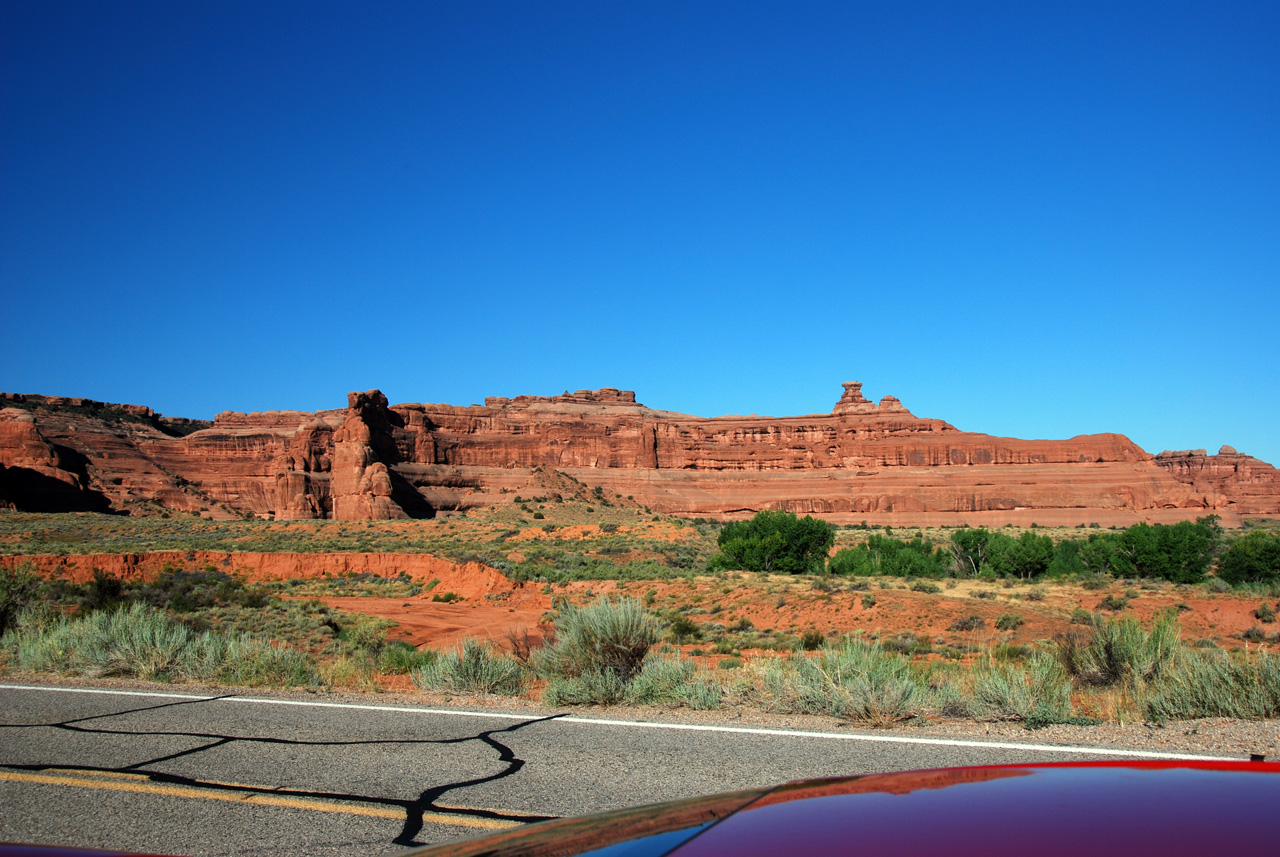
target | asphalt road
[{"x": 195, "y": 775}]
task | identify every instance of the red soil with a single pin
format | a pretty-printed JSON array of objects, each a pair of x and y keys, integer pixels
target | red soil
[{"x": 421, "y": 621}]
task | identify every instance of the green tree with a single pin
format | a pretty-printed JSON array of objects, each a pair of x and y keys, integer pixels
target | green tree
[
  {"x": 1254, "y": 558},
  {"x": 1027, "y": 556},
  {"x": 1181, "y": 552},
  {"x": 1067, "y": 560},
  {"x": 888, "y": 556},
  {"x": 969, "y": 548},
  {"x": 775, "y": 541}
]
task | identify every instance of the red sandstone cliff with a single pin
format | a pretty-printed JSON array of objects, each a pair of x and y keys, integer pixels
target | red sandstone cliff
[{"x": 863, "y": 460}]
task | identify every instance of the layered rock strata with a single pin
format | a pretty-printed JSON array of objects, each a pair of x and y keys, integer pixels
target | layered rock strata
[{"x": 863, "y": 461}]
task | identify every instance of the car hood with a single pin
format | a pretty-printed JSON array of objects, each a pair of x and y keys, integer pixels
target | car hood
[{"x": 1066, "y": 809}]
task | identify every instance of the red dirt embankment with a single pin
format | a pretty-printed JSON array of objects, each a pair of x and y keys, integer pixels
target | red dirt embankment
[{"x": 492, "y": 603}]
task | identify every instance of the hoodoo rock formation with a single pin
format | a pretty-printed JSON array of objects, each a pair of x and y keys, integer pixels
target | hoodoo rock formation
[{"x": 373, "y": 460}]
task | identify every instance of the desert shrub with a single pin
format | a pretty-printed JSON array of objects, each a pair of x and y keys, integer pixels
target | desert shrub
[
  {"x": 1081, "y": 616},
  {"x": 609, "y": 636},
  {"x": 1216, "y": 586},
  {"x": 103, "y": 592},
  {"x": 399, "y": 658},
  {"x": 472, "y": 668},
  {"x": 1253, "y": 635},
  {"x": 590, "y": 687},
  {"x": 18, "y": 587},
  {"x": 811, "y": 640},
  {"x": 908, "y": 644},
  {"x": 141, "y": 642},
  {"x": 968, "y": 623},
  {"x": 774, "y": 541},
  {"x": 1120, "y": 652},
  {"x": 1265, "y": 613},
  {"x": 926, "y": 587},
  {"x": 868, "y": 601},
  {"x": 1113, "y": 603},
  {"x": 237, "y": 660},
  {"x": 446, "y": 597},
  {"x": 683, "y": 630},
  {"x": 725, "y": 647},
  {"x": 857, "y": 680},
  {"x": 673, "y": 681},
  {"x": 366, "y": 635},
  {"x": 1037, "y": 693},
  {"x": 1210, "y": 684},
  {"x": 187, "y": 591},
  {"x": 1009, "y": 621},
  {"x": 1010, "y": 652}
]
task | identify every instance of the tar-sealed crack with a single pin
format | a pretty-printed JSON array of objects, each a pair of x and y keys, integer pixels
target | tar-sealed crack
[{"x": 414, "y": 810}]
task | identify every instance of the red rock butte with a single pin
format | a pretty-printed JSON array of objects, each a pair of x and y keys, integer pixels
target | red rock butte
[{"x": 863, "y": 461}]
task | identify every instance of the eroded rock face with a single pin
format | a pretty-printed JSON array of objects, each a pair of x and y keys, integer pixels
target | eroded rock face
[
  {"x": 1228, "y": 479},
  {"x": 361, "y": 483},
  {"x": 864, "y": 460},
  {"x": 34, "y": 475}
]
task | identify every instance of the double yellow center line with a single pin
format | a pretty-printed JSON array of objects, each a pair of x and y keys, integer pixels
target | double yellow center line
[{"x": 141, "y": 783}]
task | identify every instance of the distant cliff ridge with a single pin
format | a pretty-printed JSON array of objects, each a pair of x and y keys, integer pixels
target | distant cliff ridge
[{"x": 863, "y": 461}]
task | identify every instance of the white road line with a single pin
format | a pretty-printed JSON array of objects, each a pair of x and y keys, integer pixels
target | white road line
[
  {"x": 104, "y": 690},
  {"x": 897, "y": 739},
  {"x": 685, "y": 727},
  {"x": 445, "y": 711}
]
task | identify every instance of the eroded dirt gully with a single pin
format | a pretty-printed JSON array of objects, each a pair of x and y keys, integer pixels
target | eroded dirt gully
[{"x": 492, "y": 605}]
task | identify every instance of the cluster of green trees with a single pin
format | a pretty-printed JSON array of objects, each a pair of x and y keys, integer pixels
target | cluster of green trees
[
  {"x": 775, "y": 541},
  {"x": 1254, "y": 558},
  {"x": 893, "y": 557},
  {"x": 1181, "y": 553}
]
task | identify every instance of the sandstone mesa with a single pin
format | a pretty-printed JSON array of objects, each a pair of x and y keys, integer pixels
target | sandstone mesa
[{"x": 864, "y": 460}]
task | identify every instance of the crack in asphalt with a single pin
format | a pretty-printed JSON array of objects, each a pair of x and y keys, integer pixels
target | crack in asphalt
[{"x": 414, "y": 809}]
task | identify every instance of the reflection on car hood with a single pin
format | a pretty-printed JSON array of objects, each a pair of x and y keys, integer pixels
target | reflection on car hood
[{"x": 1170, "y": 808}]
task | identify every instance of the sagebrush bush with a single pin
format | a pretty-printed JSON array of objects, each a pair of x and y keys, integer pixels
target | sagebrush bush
[
  {"x": 1009, "y": 621},
  {"x": 589, "y": 687},
  {"x": 399, "y": 658},
  {"x": 673, "y": 681},
  {"x": 473, "y": 667},
  {"x": 1037, "y": 693},
  {"x": 968, "y": 623},
  {"x": 857, "y": 680},
  {"x": 1214, "y": 684},
  {"x": 1119, "y": 652},
  {"x": 143, "y": 643},
  {"x": 605, "y": 636}
]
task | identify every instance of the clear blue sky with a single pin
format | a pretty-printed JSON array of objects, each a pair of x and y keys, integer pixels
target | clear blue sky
[{"x": 1028, "y": 219}]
